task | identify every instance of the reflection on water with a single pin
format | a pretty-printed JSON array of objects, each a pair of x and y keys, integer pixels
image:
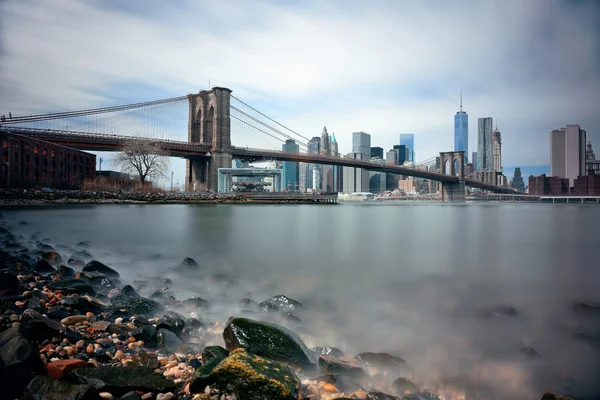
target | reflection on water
[{"x": 430, "y": 283}]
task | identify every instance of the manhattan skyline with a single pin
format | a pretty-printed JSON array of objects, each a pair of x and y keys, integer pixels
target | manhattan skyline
[{"x": 314, "y": 64}]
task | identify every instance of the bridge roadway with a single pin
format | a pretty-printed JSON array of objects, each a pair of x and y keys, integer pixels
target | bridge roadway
[{"x": 175, "y": 148}]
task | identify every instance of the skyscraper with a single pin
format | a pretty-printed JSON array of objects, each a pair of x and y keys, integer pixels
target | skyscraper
[
  {"x": 313, "y": 147},
  {"x": 361, "y": 143},
  {"x": 474, "y": 159},
  {"x": 408, "y": 140},
  {"x": 403, "y": 154},
  {"x": 567, "y": 152},
  {"x": 485, "y": 154},
  {"x": 336, "y": 170},
  {"x": 325, "y": 149},
  {"x": 497, "y": 150},
  {"x": 290, "y": 174},
  {"x": 517, "y": 182},
  {"x": 376, "y": 152},
  {"x": 461, "y": 130}
]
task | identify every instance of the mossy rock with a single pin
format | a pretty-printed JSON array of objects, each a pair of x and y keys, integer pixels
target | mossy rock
[
  {"x": 268, "y": 340},
  {"x": 251, "y": 377},
  {"x": 212, "y": 352}
]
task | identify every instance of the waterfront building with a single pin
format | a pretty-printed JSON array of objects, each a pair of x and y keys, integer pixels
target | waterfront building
[
  {"x": 376, "y": 152},
  {"x": 408, "y": 140},
  {"x": 461, "y": 130},
  {"x": 497, "y": 150},
  {"x": 548, "y": 185},
  {"x": 290, "y": 173},
  {"x": 485, "y": 154},
  {"x": 587, "y": 185},
  {"x": 592, "y": 166},
  {"x": 517, "y": 182},
  {"x": 567, "y": 152}
]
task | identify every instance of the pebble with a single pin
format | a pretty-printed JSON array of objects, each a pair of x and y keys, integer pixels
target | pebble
[
  {"x": 147, "y": 396},
  {"x": 90, "y": 348},
  {"x": 106, "y": 395},
  {"x": 165, "y": 396},
  {"x": 119, "y": 354},
  {"x": 89, "y": 314},
  {"x": 118, "y": 321},
  {"x": 73, "y": 319}
]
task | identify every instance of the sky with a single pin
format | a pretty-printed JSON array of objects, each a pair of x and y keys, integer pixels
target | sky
[{"x": 382, "y": 67}]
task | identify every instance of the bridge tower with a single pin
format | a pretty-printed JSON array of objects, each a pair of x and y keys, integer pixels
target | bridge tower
[
  {"x": 209, "y": 123},
  {"x": 453, "y": 191}
]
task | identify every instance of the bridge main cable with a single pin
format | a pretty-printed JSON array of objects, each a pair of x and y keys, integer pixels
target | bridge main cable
[{"x": 90, "y": 111}]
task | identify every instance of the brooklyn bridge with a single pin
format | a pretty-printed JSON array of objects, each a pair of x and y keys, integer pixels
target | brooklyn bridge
[{"x": 220, "y": 128}]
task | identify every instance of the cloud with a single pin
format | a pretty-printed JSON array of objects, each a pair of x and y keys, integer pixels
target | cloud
[{"x": 383, "y": 67}]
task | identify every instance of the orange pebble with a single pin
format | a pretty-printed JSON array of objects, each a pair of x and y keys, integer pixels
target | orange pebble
[{"x": 329, "y": 388}]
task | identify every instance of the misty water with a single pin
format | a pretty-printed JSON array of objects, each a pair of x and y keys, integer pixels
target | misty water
[{"x": 418, "y": 281}]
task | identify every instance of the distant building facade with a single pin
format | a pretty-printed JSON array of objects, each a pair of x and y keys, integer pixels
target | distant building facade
[
  {"x": 361, "y": 143},
  {"x": 497, "y": 150},
  {"x": 290, "y": 173},
  {"x": 408, "y": 140},
  {"x": 567, "y": 153},
  {"x": 485, "y": 154},
  {"x": 548, "y": 185},
  {"x": 592, "y": 166},
  {"x": 29, "y": 163},
  {"x": 587, "y": 185},
  {"x": 517, "y": 182},
  {"x": 461, "y": 130},
  {"x": 474, "y": 159},
  {"x": 355, "y": 179},
  {"x": 377, "y": 152}
]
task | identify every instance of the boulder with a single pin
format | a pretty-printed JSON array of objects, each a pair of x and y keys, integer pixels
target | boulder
[
  {"x": 65, "y": 272},
  {"x": 268, "y": 340},
  {"x": 499, "y": 312},
  {"x": 118, "y": 380},
  {"x": 341, "y": 366},
  {"x": 164, "y": 296},
  {"x": 58, "y": 369},
  {"x": 284, "y": 303},
  {"x": 98, "y": 281},
  {"x": 587, "y": 309},
  {"x": 129, "y": 303},
  {"x": 327, "y": 351},
  {"x": 53, "y": 258},
  {"x": 380, "y": 361},
  {"x": 9, "y": 282},
  {"x": 167, "y": 340},
  {"x": 97, "y": 266},
  {"x": 197, "y": 302},
  {"x": 250, "y": 377},
  {"x": 79, "y": 257},
  {"x": 19, "y": 362},
  {"x": 44, "y": 388},
  {"x": 214, "y": 352},
  {"x": 43, "y": 267},
  {"x": 403, "y": 387},
  {"x": 530, "y": 352},
  {"x": 173, "y": 322},
  {"x": 85, "y": 304},
  {"x": 189, "y": 263},
  {"x": 71, "y": 286},
  {"x": 36, "y": 326},
  {"x": 147, "y": 333},
  {"x": 57, "y": 312}
]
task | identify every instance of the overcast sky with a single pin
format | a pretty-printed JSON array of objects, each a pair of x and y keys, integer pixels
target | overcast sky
[{"x": 383, "y": 67}]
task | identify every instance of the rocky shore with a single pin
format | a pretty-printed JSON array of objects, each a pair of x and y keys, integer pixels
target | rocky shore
[
  {"x": 21, "y": 197},
  {"x": 71, "y": 329}
]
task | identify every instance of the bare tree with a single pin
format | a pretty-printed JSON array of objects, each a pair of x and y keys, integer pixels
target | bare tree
[{"x": 143, "y": 159}]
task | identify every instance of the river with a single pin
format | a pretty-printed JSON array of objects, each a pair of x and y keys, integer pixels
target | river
[{"x": 414, "y": 280}]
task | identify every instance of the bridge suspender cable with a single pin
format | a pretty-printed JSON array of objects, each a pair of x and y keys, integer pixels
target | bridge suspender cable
[{"x": 91, "y": 111}]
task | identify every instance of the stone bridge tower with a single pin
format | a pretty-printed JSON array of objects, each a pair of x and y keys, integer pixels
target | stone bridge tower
[
  {"x": 453, "y": 163},
  {"x": 209, "y": 123}
]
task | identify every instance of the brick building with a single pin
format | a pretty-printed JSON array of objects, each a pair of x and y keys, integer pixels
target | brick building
[
  {"x": 548, "y": 185},
  {"x": 587, "y": 185},
  {"x": 30, "y": 163}
]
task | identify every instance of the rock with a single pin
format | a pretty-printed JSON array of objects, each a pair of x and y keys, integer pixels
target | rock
[
  {"x": 53, "y": 258},
  {"x": 421, "y": 396},
  {"x": 214, "y": 352},
  {"x": 341, "y": 366},
  {"x": 530, "y": 352},
  {"x": 587, "y": 309},
  {"x": 164, "y": 296},
  {"x": 130, "y": 303},
  {"x": 19, "y": 361},
  {"x": 284, "y": 303},
  {"x": 43, "y": 267},
  {"x": 248, "y": 305},
  {"x": 98, "y": 281},
  {"x": 44, "y": 388},
  {"x": 327, "y": 351},
  {"x": 145, "y": 359},
  {"x": 9, "y": 282},
  {"x": 167, "y": 340},
  {"x": 173, "y": 322},
  {"x": 166, "y": 396},
  {"x": 57, "y": 312},
  {"x": 71, "y": 286},
  {"x": 189, "y": 263},
  {"x": 250, "y": 377},
  {"x": 85, "y": 304},
  {"x": 131, "y": 396},
  {"x": 36, "y": 326},
  {"x": 377, "y": 395},
  {"x": 146, "y": 333},
  {"x": 65, "y": 272},
  {"x": 196, "y": 302},
  {"x": 82, "y": 245},
  {"x": 79, "y": 257},
  {"x": 554, "y": 396},
  {"x": 380, "y": 361},
  {"x": 404, "y": 386},
  {"x": 267, "y": 307},
  {"x": 500, "y": 312},
  {"x": 74, "y": 319},
  {"x": 118, "y": 380},
  {"x": 97, "y": 266},
  {"x": 268, "y": 340},
  {"x": 58, "y": 369}
]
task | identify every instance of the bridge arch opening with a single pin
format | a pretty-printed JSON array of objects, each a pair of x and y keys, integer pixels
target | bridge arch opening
[
  {"x": 197, "y": 127},
  {"x": 208, "y": 126},
  {"x": 455, "y": 168},
  {"x": 447, "y": 167}
]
